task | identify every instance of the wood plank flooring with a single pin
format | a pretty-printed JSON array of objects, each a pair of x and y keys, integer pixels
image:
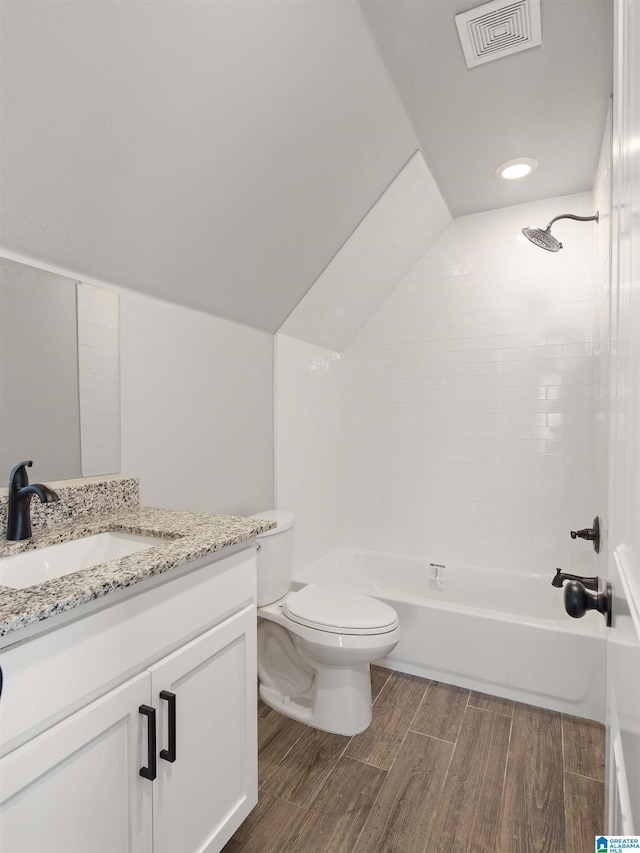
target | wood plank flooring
[{"x": 439, "y": 769}]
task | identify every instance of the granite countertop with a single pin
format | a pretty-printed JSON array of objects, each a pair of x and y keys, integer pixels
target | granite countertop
[{"x": 190, "y": 535}]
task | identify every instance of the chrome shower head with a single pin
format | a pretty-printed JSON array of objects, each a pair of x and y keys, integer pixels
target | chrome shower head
[{"x": 544, "y": 238}]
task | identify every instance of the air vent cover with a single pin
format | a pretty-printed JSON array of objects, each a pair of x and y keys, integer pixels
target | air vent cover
[{"x": 498, "y": 29}]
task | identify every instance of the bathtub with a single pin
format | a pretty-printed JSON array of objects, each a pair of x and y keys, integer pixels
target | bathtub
[{"x": 493, "y": 631}]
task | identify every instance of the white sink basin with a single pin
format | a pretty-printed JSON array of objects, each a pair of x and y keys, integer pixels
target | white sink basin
[{"x": 55, "y": 561}]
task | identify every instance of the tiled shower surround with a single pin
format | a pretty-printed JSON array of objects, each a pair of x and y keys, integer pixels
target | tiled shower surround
[
  {"x": 393, "y": 235},
  {"x": 457, "y": 424},
  {"x": 308, "y": 453}
]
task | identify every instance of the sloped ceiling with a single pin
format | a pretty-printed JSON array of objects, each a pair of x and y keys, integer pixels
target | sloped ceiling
[
  {"x": 215, "y": 154},
  {"x": 394, "y": 234},
  {"x": 549, "y": 103},
  {"x": 218, "y": 153}
]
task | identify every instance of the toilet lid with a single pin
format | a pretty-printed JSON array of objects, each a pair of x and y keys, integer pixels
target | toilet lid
[{"x": 339, "y": 612}]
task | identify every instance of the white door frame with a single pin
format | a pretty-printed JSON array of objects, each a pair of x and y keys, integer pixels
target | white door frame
[{"x": 623, "y": 640}]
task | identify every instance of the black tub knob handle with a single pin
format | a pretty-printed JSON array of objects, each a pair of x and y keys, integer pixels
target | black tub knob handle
[{"x": 578, "y": 599}]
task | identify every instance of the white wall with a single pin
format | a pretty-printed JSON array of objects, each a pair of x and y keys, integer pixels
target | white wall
[
  {"x": 467, "y": 399},
  {"x": 405, "y": 220},
  {"x": 463, "y": 407},
  {"x": 197, "y": 408},
  {"x": 601, "y": 343},
  {"x": 308, "y": 475},
  {"x": 196, "y": 404},
  {"x": 215, "y": 154},
  {"x": 397, "y": 231}
]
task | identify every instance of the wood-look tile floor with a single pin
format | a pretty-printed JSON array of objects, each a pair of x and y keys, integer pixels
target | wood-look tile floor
[{"x": 439, "y": 769}]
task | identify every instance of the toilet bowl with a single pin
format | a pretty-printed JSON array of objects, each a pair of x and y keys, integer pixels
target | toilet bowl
[{"x": 315, "y": 645}]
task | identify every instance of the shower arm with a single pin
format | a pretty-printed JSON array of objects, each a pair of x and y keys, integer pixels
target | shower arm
[{"x": 595, "y": 218}]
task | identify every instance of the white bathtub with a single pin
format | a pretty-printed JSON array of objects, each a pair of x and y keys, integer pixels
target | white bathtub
[{"x": 501, "y": 633}]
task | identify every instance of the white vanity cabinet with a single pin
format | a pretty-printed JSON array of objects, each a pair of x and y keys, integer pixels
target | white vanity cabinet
[
  {"x": 200, "y": 799},
  {"x": 74, "y": 787},
  {"x": 178, "y": 657}
]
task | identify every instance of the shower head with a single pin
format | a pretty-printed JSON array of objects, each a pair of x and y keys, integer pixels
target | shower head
[{"x": 544, "y": 238}]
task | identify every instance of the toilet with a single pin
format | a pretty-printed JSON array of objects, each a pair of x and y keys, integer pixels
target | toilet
[{"x": 315, "y": 645}]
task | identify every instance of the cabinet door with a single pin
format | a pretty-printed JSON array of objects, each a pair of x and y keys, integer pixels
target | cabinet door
[
  {"x": 201, "y": 798},
  {"x": 76, "y": 787}
]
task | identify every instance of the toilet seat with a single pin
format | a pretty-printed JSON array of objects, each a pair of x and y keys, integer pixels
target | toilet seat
[{"x": 339, "y": 612}]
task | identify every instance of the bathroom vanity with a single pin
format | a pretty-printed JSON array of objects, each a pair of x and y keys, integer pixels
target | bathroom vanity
[{"x": 128, "y": 708}]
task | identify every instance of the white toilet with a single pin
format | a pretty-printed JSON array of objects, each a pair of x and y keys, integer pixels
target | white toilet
[{"x": 315, "y": 645}]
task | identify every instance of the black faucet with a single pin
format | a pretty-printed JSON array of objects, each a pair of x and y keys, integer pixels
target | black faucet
[
  {"x": 561, "y": 577},
  {"x": 20, "y": 494}
]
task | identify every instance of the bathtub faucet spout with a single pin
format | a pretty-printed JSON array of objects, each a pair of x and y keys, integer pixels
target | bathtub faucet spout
[{"x": 560, "y": 577}]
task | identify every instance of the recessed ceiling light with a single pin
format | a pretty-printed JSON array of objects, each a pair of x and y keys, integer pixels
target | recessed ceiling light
[{"x": 514, "y": 169}]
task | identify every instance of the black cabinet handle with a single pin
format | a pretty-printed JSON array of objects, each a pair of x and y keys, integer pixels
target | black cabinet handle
[
  {"x": 170, "y": 754},
  {"x": 149, "y": 772}
]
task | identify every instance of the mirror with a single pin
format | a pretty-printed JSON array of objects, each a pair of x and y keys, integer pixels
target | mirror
[{"x": 59, "y": 375}]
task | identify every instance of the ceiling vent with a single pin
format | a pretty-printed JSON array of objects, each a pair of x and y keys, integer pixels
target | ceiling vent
[{"x": 497, "y": 29}]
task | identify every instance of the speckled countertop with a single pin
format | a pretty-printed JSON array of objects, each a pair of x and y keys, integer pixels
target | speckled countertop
[{"x": 190, "y": 535}]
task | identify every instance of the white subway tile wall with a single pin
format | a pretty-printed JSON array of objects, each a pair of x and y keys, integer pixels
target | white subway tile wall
[
  {"x": 467, "y": 400},
  {"x": 383, "y": 248},
  {"x": 458, "y": 423},
  {"x": 307, "y": 459},
  {"x": 99, "y": 379}
]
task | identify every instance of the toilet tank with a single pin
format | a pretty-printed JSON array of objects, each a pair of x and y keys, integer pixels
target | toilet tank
[{"x": 275, "y": 556}]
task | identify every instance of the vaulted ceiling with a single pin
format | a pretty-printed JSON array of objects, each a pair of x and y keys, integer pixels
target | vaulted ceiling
[
  {"x": 217, "y": 153},
  {"x": 548, "y": 103}
]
